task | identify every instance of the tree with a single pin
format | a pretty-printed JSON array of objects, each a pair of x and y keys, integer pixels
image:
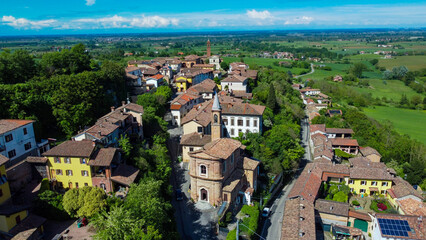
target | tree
[
  {"x": 49, "y": 204},
  {"x": 224, "y": 66},
  {"x": 374, "y": 61},
  {"x": 125, "y": 145},
  {"x": 415, "y": 100},
  {"x": 357, "y": 69},
  {"x": 164, "y": 91},
  {"x": 122, "y": 223},
  {"x": 340, "y": 197},
  {"x": 76, "y": 101},
  {"x": 404, "y": 100},
  {"x": 271, "y": 102},
  {"x": 84, "y": 202}
]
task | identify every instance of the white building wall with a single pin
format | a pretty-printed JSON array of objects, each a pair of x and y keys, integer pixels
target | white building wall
[
  {"x": 244, "y": 128},
  {"x": 19, "y": 141},
  {"x": 235, "y": 86}
]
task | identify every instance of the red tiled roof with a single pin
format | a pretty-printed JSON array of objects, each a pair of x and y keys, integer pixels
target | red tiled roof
[
  {"x": 344, "y": 142},
  {"x": 317, "y": 127},
  {"x": 298, "y": 220},
  {"x": 158, "y": 76},
  {"x": 359, "y": 215},
  {"x": 366, "y": 151},
  {"x": 411, "y": 206},
  {"x": 7, "y": 125}
]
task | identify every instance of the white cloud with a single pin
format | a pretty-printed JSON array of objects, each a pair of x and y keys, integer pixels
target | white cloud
[
  {"x": 299, "y": 20},
  {"x": 259, "y": 15},
  {"x": 90, "y": 2},
  {"x": 27, "y": 24},
  {"x": 123, "y": 22}
]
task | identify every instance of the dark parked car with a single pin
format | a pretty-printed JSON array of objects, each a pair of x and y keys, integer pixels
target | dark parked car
[{"x": 179, "y": 195}]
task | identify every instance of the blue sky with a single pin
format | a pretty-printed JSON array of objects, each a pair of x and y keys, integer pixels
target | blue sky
[{"x": 19, "y": 17}]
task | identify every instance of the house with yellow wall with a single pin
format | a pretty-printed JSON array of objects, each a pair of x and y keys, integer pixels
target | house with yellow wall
[
  {"x": 68, "y": 164},
  {"x": 10, "y": 214},
  {"x": 74, "y": 164},
  {"x": 370, "y": 181}
]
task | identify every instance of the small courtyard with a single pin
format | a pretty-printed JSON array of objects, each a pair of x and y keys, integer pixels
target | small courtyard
[{"x": 371, "y": 204}]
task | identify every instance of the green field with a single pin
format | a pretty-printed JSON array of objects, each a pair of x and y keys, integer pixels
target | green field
[
  {"x": 405, "y": 121},
  {"x": 265, "y": 62},
  {"x": 413, "y": 63},
  {"x": 391, "y": 89}
]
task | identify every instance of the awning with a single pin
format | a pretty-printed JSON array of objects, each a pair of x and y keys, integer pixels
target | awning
[{"x": 374, "y": 189}]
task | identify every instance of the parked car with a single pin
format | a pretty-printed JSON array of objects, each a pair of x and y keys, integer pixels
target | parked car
[
  {"x": 266, "y": 211},
  {"x": 179, "y": 195}
]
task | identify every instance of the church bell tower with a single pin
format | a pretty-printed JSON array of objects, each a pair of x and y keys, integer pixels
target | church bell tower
[
  {"x": 216, "y": 119},
  {"x": 209, "y": 53}
]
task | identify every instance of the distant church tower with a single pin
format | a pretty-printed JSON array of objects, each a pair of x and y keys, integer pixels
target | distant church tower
[
  {"x": 208, "y": 48},
  {"x": 216, "y": 121}
]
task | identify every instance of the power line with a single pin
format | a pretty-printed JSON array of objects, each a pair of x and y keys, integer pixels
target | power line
[{"x": 253, "y": 232}]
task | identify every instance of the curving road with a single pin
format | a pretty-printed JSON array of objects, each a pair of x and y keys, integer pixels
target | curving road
[{"x": 312, "y": 71}]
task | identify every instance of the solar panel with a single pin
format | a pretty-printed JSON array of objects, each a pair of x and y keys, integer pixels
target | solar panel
[{"x": 394, "y": 227}]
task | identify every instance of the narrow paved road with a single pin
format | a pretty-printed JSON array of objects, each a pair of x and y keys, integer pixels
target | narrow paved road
[
  {"x": 312, "y": 71},
  {"x": 272, "y": 226},
  {"x": 192, "y": 224}
]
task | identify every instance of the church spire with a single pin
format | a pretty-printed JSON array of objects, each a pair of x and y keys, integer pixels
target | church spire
[{"x": 216, "y": 104}]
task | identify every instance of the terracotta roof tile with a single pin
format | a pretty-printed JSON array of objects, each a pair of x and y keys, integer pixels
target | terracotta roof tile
[
  {"x": 359, "y": 215},
  {"x": 332, "y": 207},
  {"x": 125, "y": 174},
  {"x": 218, "y": 149},
  {"x": 233, "y": 180},
  {"x": 370, "y": 173},
  {"x": 402, "y": 188},
  {"x": 7, "y": 125},
  {"x": 344, "y": 142},
  {"x": 366, "y": 151},
  {"x": 70, "y": 148},
  {"x": 250, "y": 164},
  {"x": 412, "y": 207},
  {"x": 298, "y": 220},
  {"x": 195, "y": 139},
  {"x": 234, "y": 78},
  {"x": 317, "y": 127},
  {"x": 103, "y": 157},
  {"x": 339, "y": 130}
]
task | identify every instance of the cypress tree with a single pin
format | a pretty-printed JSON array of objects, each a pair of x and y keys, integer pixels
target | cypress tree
[{"x": 271, "y": 102}]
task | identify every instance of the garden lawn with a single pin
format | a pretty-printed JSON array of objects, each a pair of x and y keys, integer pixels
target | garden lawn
[
  {"x": 405, "y": 121},
  {"x": 413, "y": 63}
]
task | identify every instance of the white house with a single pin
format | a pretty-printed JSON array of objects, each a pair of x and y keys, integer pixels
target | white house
[
  {"x": 391, "y": 227},
  {"x": 237, "y": 117},
  {"x": 154, "y": 81},
  {"x": 310, "y": 91},
  {"x": 215, "y": 60},
  {"x": 17, "y": 139},
  {"x": 182, "y": 104},
  {"x": 234, "y": 83}
]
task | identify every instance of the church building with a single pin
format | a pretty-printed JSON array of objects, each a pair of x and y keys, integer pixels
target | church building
[{"x": 219, "y": 171}]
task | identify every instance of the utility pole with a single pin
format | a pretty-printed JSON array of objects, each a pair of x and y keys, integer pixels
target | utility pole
[{"x": 238, "y": 221}]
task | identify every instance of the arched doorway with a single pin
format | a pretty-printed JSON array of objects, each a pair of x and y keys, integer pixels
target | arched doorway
[{"x": 204, "y": 195}]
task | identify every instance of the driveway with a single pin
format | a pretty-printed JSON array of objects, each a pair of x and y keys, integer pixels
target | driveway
[{"x": 312, "y": 71}]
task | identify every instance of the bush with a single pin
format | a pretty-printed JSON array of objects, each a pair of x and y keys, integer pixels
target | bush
[
  {"x": 45, "y": 185},
  {"x": 355, "y": 203},
  {"x": 49, "y": 205},
  {"x": 232, "y": 235},
  {"x": 382, "y": 206},
  {"x": 252, "y": 221}
]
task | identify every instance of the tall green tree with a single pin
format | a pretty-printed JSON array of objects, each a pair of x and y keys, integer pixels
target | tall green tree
[
  {"x": 357, "y": 69},
  {"x": 271, "y": 102}
]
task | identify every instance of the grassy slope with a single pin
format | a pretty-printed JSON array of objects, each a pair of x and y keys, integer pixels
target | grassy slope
[
  {"x": 413, "y": 63},
  {"x": 264, "y": 62},
  {"x": 406, "y": 121}
]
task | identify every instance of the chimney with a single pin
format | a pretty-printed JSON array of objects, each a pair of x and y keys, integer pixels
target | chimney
[
  {"x": 112, "y": 109},
  {"x": 123, "y": 103}
]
